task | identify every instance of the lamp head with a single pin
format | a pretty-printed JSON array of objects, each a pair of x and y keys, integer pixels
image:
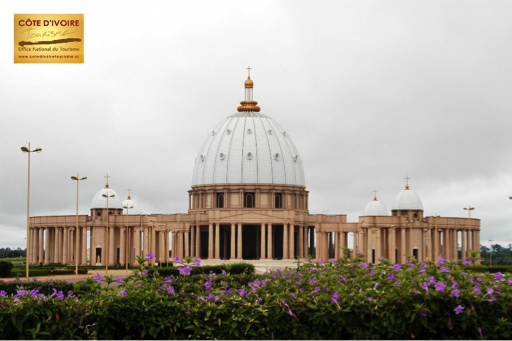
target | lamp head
[
  {"x": 24, "y": 149},
  {"x": 74, "y": 178},
  {"x": 38, "y": 150}
]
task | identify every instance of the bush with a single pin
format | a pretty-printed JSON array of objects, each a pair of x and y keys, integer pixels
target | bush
[
  {"x": 486, "y": 268},
  {"x": 5, "y": 268}
]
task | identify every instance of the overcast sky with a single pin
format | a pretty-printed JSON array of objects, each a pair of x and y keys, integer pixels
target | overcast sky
[{"x": 369, "y": 91}]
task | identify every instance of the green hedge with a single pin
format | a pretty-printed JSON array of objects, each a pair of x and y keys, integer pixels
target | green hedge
[
  {"x": 46, "y": 287},
  {"x": 38, "y": 272},
  {"x": 486, "y": 268},
  {"x": 233, "y": 269}
]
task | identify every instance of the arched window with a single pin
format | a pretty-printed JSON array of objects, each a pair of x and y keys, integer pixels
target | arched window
[
  {"x": 249, "y": 199},
  {"x": 278, "y": 200},
  {"x": 220, "y": 200}
]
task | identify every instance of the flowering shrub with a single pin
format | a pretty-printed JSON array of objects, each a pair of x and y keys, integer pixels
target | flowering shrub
[{"x": 334, "y": 300}]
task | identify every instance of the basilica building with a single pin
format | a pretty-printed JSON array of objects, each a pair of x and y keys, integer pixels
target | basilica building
[{"x": 248, "y": 201}]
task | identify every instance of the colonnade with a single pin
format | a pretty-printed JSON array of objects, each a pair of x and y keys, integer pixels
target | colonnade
[
  {"x": 225, "y": 241},
  {"x": 57, "y": 245}
]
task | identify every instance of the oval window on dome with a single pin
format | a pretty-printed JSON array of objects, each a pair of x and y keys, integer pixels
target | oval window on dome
[
  {"x": 228, "y": 131},
  {"x": 270, "y": 131},
  {"x": 284, "y": 133},
  {"x": 295, "y": 158},
  {"x": 222, "y": 156},
  {"x": 276, "y": 157},
  {"x": 249, "y": 156},
  {"x": 249, "y": 131},
  {"x": 213, "y": 133},
  {"x": 202, "y": 158}
]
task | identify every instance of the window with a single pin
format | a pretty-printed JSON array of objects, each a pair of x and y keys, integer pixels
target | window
[
  {"x": 249, "y": 199},
  {"x": 278, "y": 200},
  {"x": 220, "y": 200}
]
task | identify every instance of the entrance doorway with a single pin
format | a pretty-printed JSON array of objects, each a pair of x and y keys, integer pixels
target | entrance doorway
[
  {"x": 204, "y": 245},
  {"x": 249, "y": 241}
]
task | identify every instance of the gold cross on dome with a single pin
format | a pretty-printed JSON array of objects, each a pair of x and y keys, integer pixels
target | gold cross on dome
[
  {"x": 375, "y": 195},
  {"x": 107, "y": 180},
  {"x": 249, "y": 69},
  {"x": 407, "y": 178}
]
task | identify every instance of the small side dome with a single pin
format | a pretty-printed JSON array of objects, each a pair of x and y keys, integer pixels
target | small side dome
[
  {"x": 375, "y": 207},
  {"x": 131, "y": 206},
  {"x": 407, "y": 200},
  {"x": 99, "y": 201}
]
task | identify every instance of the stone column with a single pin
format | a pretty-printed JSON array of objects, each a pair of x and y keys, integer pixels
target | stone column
[
  {"x": 111, "y": 253},
  {"x": 47, "y": 247},
  {"x": 162, "y": 251},
  {"x": 300, "y": 241},
  {"x": 292, "y": 241},
  {"x": 336, "y": 245},
  {"x": 146, "y": 240},
  {"x": 210, "y": 241},
  {"x": 55, "y": 245},
  {"x": 136, "y": 241},
  {"x": 392, "y": 245},
  {"x": 217, "y": 241},
  {"x": 435, "y": 246},
  {"x": 463, "y": 242},
  {"x": 233, "y": 242},
  {"x": 343, "y": 243},
  {"x": 122, "y": 246},
  {"x": 304, "y": 241},
  {"x": 455, "y": 246},
  {"x": 187, "y": 243},
  {"x": 403, "y": 247},
  {"x": 198, "y": 241},
  {"x": 263, "y": 248},
  {"x": 65, "y": 247},
  {"x": 192, "y": 241},
  {"x": 354, "y": 246},
  {"x": 270, "y": 253},
  {"x": 92, "y": 250},
  {"x": 239, "y": 248},
  {"x": 286, "y": 244},
  {"x": 41, "y": 245}
]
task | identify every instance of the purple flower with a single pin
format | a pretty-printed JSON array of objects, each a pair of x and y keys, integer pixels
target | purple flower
[
  {"x": 320, "y": 263},
  {"x": 70, "y": 295},
  {"x": 423, "y": 312},
  {"x": 490, "y": 291},
  {"x": 208, "y": 285},
  {"x": 422, "y": 270},
  {"x": 119, "y": 280},
  {"x": 242, "y": 292},
  {"x": 455, "y": 292},
  {"x": 316, "y": 291},
  {"x": 440, "y": 286},
  {"x": 34, "y": 292},
  {"x": 97, "y": 277},
  {"x": 476, "y": 289},
  {"x": 144, "y": 272},
  {"x": 3, "y": 293},
  {"x": 396, "y": 267},
  {"x": 425, "y": 286},
  {"x": 370, "y": 299},
  {"x": 498, "y": 276},
  {"x": 440, "y": 260},
  {"x": 358, "y": 251},
  {"x": 60, "y": 295},
  {"x": 454, "y": 285},
  {"x": 332, "y": 260},
  {"x": 196, "y": 262},
  {"x": 176, "y": 260},
  {"x": 123, "y": 292},
  {"x": 185, "y": 270},
  {"x": 459, "y": 309},
  {"x": 391, "y": 276},
  {"x": 376, "y": 285},
  {"x": 467, "y": 261},
  {"x": 510, "y": 281},
  {"x": 150, "y": 255},
  {"x": 363, "y": 265},
  {"x": 335, "y": 298},
  {"x": 170, "y": 290},
  {"x": 445, "y": 269},
  {"x": 201, "y": 299},
  {"x": 224, "y": 272},
  {"x": 431, "y": 280},
  {"x": 492, "y": 299}
]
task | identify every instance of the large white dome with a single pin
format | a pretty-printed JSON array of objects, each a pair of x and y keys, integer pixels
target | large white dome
[
  {"x": 407, "y": 200},
  {"x": 375, "y": 207},
  {"x": 99, "y": 201},
  {"x": 248, "y": 147}
]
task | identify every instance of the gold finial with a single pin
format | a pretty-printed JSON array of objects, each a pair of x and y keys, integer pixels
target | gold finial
[
  {"x": 249, "y": 83},
  {"x": 249, "y": 105},
  {"x": 375, "y": 195},
  {"x": 107, "y": 185},
  {"x": 249, "y": 69},
  {"x": 407, "y": 178},
  {"x": 129, "y": 193}
]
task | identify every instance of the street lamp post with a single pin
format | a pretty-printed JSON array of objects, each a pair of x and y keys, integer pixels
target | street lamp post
[
  {"x": 126, "y": 238},
  {"x": 151, "y": 240},
  {"x": 28, "y": 151},
  {"x": 469, "y": 209},
  {"x": 77, "y": 179},
  {"x": 107, "y": 239}
]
